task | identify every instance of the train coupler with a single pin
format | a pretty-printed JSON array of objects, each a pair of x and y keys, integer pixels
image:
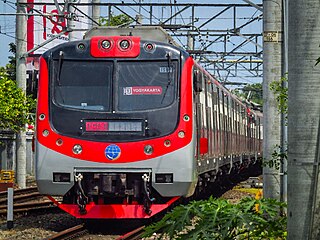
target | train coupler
[
  {"x": 82, "y": 199},
  {"x": 147, "y": 199}
]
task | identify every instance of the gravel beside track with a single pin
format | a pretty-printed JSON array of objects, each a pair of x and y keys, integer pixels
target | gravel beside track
[
  {"x": 44, "y": 224},
  {"x": 36, "y": 226}
]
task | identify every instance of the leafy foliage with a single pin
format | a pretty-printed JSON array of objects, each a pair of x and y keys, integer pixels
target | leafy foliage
[
  {"x": 219, "y": 219},
  {"x": 10, "y": 69},
  {"x": 11, "y": 66},
  {"x": 14, "y": 105},
  {"x": 118, "y": 20},
  {"x": 251, "y": 91},
  {"x": 277, "y": 158},
  {"x": 281, "y": 92}
]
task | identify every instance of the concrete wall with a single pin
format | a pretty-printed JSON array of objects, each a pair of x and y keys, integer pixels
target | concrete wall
[{"x": 8, "y": 152}]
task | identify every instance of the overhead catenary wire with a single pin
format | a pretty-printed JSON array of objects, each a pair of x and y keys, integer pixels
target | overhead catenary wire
[{"x": 148, "y": 10}]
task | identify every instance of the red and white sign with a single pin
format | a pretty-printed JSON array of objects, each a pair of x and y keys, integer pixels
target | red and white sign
[
  {"x": 41, "y": 28},
  {"x": 97, "y": 126},
  {"x": 142, "y": 90}
]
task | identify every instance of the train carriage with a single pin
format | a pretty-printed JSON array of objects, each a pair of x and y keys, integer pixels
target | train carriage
[{"x": 128, "y": 123}]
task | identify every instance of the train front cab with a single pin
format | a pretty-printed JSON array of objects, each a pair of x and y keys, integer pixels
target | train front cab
[{"x": 80, "y": 154}]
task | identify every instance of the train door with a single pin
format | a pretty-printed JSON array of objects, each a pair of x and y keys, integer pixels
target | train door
[
  {"x": 219, "y": 119},
  {"x": 238, "y": 128},
  {"x": 205, "y": 134},
  {"x": 214, "y": 119},
  {"x": 209, "y": 110},
  {"x": 224, "y": 124},
  {"x": 201, "y": 123},
  {"x": 232, "y": 121},
  {"x": 197, "y": 106}
]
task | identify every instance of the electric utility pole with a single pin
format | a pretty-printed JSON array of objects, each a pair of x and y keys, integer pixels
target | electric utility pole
[
  {"x": 95, "y": 12},
  {"x": 21, "y": 43},
  {"x": 272, "y": 71},
  {"x": 303, "y": 120},
  {"x": 71, "y": 20}
]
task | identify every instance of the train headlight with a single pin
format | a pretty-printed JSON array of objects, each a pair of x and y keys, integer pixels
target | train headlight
[
  {"x": 77, "y": 149},
  {"x": 106, "y": 44},
  {"x": 148, "y": 149},
  {"x": 181, "y": 134},
  {"x": 124, "y": 44}
]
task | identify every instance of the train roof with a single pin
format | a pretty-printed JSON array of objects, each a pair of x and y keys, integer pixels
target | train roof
[{"x": 152, "y": 33}]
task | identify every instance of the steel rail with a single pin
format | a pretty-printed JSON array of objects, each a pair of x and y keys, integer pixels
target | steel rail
[
  {"x": 69, "y": 233},
  {"x": 133, "y": 235}
]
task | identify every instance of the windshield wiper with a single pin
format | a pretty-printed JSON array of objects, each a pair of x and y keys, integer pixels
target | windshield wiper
[
  {"x": 58, "y": 76},
  {"x": 59, "y": 67},
  {"x": 170, "y": 73}
]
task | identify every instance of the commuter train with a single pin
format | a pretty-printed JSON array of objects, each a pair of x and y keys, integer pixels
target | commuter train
[{"x": 128, "y": 123}]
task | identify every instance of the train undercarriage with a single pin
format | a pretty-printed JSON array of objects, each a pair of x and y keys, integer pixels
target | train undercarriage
[{"x": 131, "y": 195}]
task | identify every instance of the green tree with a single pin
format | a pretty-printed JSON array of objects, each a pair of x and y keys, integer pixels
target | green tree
[
  {"x": 14, "y": 105},
  {"x": 10, "y": 68},
  {"x": 251, "y": 92},
  {"x": 116, "y": 20}
]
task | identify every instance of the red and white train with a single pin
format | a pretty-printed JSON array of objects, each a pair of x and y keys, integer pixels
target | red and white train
[{"x": 127, "y": 124}]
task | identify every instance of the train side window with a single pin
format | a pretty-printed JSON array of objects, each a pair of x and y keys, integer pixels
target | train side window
[
  {"x": 214, "y": 94},
  {"x": 197, "y": 81}
]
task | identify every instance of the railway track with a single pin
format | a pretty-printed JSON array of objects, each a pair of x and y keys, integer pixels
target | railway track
[
  {"x": 25, "y": 200},
  {"x": 20, "y": 195},
  {"x": 70, "y": 233},
  {"x": 133, "y": 235},
  {"x": 81, "y": 230}
]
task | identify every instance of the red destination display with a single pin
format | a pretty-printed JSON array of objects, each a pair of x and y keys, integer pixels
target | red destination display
[
  {"x": 113, "y": 126},
  {"x": 97, "y": 126}
]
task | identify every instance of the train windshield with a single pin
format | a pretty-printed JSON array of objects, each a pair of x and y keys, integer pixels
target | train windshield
[
  {"x": 146, "y": 85},
  {"x": 83, "y": 84},
  {"x": 136, "y": 86}
]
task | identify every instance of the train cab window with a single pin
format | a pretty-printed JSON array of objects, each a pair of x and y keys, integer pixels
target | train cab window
[
  {"x": 146, "y": 85},
  {"x": 75, "y": 86}
]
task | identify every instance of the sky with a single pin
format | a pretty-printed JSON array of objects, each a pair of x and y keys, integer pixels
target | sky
[
  {"x": 7, "y": 30},
  {"x": 7, "y": 23}
]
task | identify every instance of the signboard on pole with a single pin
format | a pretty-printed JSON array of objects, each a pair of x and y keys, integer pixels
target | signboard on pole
[{"x": 46, "y": 24}]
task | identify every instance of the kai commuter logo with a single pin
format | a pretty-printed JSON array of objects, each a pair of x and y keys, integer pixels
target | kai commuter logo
[{"x": 112, "y": 152}]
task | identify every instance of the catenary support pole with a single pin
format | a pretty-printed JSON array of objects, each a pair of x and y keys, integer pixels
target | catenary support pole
[
  {"x": 71, "y": 20},
  {"x": 303, "y": 120},
  {"x": 95, "y": 12},
  {"x": 272, "y": 71},
  {"x": 21, "y": 43},
  {"x": 284, "y": 122}
]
